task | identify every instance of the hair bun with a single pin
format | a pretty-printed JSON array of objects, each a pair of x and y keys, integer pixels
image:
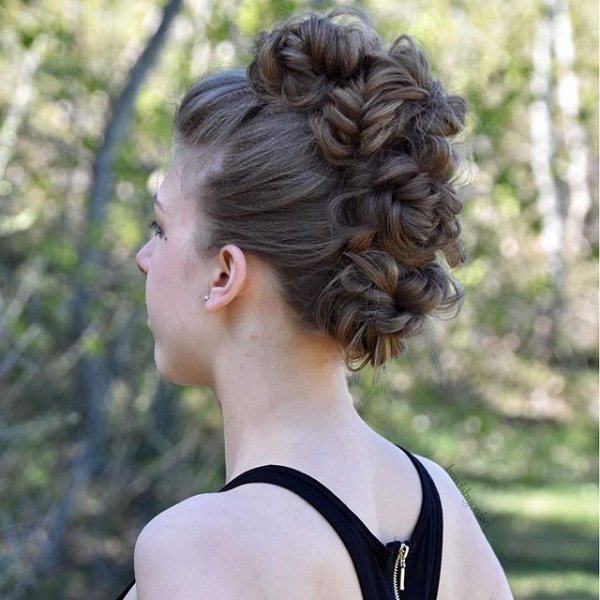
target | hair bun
[
  {"x": 372, "y": 304},
  {"x": 301, "y": 61}
]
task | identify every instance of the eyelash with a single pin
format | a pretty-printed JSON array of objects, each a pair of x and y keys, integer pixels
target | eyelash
[{"x": 156, "y": 228}]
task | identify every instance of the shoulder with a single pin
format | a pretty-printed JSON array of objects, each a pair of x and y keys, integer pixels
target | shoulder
[
  {"x": 190, "y": 546},
  {"x": 217, "y": 545},
  {"x": 463, "y": 535}
]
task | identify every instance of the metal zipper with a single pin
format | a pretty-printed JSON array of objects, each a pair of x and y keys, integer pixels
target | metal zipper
[{"x": 400, "y": 567}]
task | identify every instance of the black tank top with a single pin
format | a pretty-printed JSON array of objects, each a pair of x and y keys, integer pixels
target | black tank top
[{"x": 398, "y": 570}]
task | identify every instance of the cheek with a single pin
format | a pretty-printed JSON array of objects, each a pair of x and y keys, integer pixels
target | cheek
[
  {"x": 169, "y": 296},
  {"x": 159, "y": 286}
]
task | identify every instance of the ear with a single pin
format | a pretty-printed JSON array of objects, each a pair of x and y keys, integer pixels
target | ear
[{"x": 230, "y": 278}]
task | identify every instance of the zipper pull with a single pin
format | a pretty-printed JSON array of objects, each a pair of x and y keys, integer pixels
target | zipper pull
[
  {"x": 403, "y": 554},
  {"x": 400, "y": 564}
]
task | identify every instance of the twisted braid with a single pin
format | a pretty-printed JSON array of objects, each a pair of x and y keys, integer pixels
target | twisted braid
[
  {"x": 373, "y": 154},
  {"x": 380, "y": 118}
]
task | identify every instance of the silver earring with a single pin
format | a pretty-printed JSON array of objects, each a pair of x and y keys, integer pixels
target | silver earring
[{"x": 205, "y": 298}]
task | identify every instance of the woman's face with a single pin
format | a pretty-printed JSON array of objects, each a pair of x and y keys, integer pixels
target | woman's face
[{"x": 176, "y": 280}]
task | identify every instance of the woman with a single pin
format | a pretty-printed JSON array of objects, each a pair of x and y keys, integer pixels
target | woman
[{"x": 298, "y": 234}]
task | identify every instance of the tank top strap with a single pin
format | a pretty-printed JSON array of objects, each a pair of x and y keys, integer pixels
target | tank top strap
[
  {"x": 345, "y": 522},
  {"x": 428, "y": 533},
  {"x": 334, "y": 509},
  {"x": 368, "y": 553}
]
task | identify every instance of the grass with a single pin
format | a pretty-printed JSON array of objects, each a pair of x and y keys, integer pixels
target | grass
[{"x": 545, "y": 537}]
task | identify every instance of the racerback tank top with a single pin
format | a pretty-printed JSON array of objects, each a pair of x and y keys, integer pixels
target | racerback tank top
[{"x": 396, "y": 570}]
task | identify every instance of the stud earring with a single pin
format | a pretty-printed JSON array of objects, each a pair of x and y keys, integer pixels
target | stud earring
[{"x": 205, "y": 298}]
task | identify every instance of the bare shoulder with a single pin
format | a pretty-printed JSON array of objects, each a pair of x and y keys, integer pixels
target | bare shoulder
[
  {"x": 217, "y": 545},
  {"x": 189, "y": 547},
  {"x": 479, "y": 568}
]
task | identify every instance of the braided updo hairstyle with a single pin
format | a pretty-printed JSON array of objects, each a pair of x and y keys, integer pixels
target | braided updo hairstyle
[{"x": 336, "y": 168}]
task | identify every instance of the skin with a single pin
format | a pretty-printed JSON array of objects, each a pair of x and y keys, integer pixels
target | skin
[{"x": 284, "y": 400}]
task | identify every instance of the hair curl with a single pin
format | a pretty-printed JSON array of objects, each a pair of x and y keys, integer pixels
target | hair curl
[{"x": 337, "y": 170}]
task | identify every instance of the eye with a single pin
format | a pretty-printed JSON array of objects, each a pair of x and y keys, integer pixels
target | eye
[{"x": 156, "y": 228}]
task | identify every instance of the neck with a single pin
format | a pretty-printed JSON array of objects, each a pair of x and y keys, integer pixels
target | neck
[{"x": 282, "y": 408}]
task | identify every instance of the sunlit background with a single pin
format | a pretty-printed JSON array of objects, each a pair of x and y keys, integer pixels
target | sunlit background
[{"x": 93, "y": 444}]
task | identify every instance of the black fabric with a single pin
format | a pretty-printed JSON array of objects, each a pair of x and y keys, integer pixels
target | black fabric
[
  {"x": 372, "y": 559},
  {"x": 126, "y": 590}
]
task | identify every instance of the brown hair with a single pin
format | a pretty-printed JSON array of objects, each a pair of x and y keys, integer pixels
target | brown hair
[{"x": 337, "y": 170}]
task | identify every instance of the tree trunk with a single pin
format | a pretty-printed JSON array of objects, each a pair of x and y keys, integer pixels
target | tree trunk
[
  {"x": 579, "y": 201},
  {"x": 93, "y": 377},
  {"x": 543, "y": 147}
]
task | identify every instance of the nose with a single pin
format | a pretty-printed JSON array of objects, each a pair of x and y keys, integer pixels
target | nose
[{"x": 142, "y": 258}]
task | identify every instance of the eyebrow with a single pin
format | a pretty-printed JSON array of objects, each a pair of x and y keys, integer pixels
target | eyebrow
[{"x": 158, "y": 203}]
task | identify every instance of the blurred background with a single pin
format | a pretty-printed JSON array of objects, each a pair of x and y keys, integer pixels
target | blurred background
[{"x": 93, "y": 444}]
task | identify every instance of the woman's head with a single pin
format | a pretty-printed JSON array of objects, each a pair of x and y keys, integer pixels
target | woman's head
[{"x": 330, "y": 161}]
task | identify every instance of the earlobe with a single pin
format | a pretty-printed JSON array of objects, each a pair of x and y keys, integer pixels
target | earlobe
[{"x": 231, "y": 278}]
